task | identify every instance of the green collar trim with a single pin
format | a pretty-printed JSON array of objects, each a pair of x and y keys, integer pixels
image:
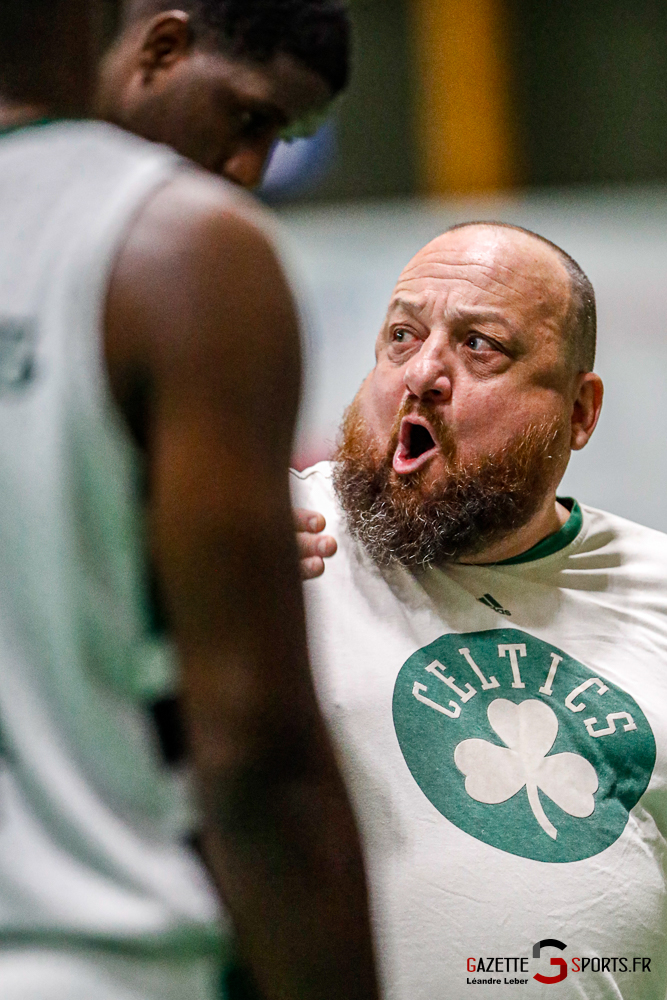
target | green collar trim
[
  {"x": 552, "y": 543},
  {"x": 35, "y": 123}
]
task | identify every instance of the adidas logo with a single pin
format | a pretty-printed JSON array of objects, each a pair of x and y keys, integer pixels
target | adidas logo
[{"x": 492, "y": 603}]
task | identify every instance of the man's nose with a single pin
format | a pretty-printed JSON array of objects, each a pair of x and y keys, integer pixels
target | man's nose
[
  {"x": 428, "y": 374},
  {"x": 245, "y": 166}
]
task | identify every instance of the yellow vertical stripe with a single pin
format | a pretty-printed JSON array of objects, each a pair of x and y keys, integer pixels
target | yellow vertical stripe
[{"x": 464, "y": 117}]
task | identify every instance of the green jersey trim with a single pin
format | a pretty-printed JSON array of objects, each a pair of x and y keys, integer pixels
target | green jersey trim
[
  {"x": 20, "y": 126},
  {"x": 552, "y": 543}
]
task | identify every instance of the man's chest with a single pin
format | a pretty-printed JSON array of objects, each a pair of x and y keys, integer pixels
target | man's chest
[
  {"x": 508, "y": 769},
  {"x": 433, "y": 667}
]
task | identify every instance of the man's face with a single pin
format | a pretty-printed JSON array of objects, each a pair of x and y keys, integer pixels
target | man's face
[
  {"x": 224, "y": 113},
  {"x": 470, "y": 401}
]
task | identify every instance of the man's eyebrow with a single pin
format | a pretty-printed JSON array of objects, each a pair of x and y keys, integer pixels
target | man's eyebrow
[
  {"x": 461, "y": 313},
  {"x": 485, "y": 316},
  {"x": 406, "y": 304}
]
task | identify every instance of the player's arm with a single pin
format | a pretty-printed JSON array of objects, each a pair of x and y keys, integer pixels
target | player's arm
[{"x": 202, "y": 349}]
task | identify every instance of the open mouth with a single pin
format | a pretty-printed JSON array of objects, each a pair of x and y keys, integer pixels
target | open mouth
[{"x": 416, "y": 446}]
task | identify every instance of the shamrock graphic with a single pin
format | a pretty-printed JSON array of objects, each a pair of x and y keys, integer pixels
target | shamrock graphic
[{"x": 529, "y": 729}]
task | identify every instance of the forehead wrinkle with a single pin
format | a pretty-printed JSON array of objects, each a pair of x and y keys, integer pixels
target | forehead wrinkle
[
  {"x": 488, "y": 268},
  {"x": 546, "y": 301},
  {"x": 435, "y": 268},
  {"x": 486, "y": 257},
  {"x": 464, "y": 279},
  {"x": 531, "y": 261}
]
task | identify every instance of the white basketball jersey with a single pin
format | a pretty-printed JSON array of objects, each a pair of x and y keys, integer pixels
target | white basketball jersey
[{"x": 94, "y": 822}]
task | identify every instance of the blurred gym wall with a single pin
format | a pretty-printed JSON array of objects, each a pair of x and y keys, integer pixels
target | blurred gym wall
[{"x": 457, "y": 96}]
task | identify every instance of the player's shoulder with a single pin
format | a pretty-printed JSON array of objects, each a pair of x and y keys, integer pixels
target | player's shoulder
[
  {"x": 626, "y": 543},
  {"x": 202, "y": 229},
  {"x": 95, "y": 172},
  {"x": 197, "y": 213},
  {"x": 80, "y": 141},
  {"x": 188, "y": 197}
]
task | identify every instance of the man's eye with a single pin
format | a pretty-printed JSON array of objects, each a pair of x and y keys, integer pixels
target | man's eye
[
  {"x": 478, "y": 343},
  {"x": 401, "y": 336}
]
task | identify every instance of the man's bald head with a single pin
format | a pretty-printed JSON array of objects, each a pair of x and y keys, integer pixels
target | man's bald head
[{"x": 580, "y": 332}]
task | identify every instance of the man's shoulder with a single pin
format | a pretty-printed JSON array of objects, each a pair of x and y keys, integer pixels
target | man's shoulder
[
  {"x": 320, "y": 472},
  {"x": 628, "y": 539},
  {"x": 312, "y": 486},
  {"x": 313, "y": 489}
]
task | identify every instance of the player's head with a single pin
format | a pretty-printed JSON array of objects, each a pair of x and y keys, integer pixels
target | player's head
[
  {"x": 482, "y": 387},
  {"x": 48, "y": 52},
  {"x": 220, "y": 79}
]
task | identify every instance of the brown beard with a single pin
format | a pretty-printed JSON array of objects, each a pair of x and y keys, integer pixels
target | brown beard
[{"x": 406, "y": 520}]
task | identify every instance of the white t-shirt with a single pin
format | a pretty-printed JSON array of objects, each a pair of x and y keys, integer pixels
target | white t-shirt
[
  {"x": 94, "y": 820},
  {"x": 503, "y": 732}
]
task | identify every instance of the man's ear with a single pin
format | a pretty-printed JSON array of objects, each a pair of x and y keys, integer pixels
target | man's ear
[
  {"x": 167, "y": 38},
  {"x": 586, "y": 409}
]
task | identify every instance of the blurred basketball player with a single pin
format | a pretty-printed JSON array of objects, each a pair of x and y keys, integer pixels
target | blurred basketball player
[
  {"x": 148, "y": 385},
  {"x": 220, "y": 80},
  {"x": 212, "y": 79}
]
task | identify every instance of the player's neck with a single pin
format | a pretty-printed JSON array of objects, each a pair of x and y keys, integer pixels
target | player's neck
[
  {"x": 13, "y": 115},
  {"x": 549, "y": 519}
]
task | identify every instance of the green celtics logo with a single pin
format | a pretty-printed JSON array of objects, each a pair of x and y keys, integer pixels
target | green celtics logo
[{"x": 520, "y": 745}]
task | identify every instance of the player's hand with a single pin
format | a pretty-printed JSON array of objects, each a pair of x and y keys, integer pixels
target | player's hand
[{"x": 314, "y": 547}]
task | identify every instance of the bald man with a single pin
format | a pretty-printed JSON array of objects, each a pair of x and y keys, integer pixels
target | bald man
[{"x": 491, "y": 655}]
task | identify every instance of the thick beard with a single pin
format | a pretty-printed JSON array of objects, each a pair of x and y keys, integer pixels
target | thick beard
[{"x": 404, "y": 520}]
